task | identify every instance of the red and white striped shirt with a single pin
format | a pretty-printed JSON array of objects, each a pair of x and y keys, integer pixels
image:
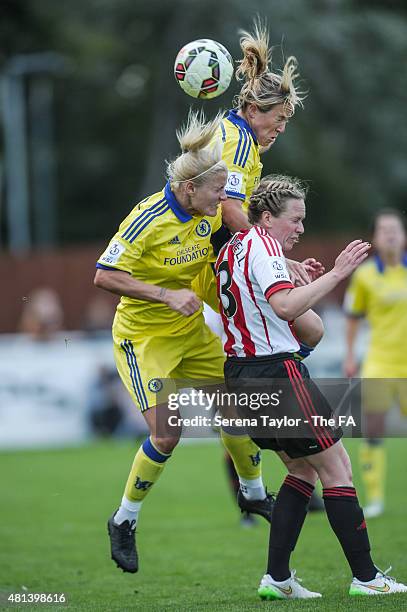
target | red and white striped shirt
[{"x": 249, "y": 269}]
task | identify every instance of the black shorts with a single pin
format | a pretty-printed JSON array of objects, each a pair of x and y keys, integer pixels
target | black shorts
[{"x": 295, "y": 417}]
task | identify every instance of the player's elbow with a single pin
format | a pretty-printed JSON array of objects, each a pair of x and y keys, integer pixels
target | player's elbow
[
  {"x": 100, "y": 279},
  {"x": 285, "y": 314},
  {"x": 282, "y": 305},
  {"x": 283, "y": 310}
]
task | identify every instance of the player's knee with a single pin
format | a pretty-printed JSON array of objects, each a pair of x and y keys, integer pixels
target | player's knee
[
  {"x": 302, "y": 470},
  {"x": 165, "y": 444},
  {"x": 347, "y": 468},
  {"x": 336, "y": 469},
  {"x": 308, "y": 475}
]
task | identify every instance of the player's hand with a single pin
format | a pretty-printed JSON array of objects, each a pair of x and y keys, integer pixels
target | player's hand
[
  {"x": 351, "y": 257},
  {"x": 314, "y": 268},
  {"x": 350, "y": 366},
  {"x": 182, "y": 300},
  {"x": 298, "y": 273}
]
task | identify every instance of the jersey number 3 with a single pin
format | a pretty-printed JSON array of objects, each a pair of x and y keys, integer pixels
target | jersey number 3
[{"x": 229, "y": 303}]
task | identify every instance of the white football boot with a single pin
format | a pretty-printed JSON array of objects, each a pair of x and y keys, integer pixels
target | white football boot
[
  {"x": 287, "y": 589},
  {"x": 380, "y": 585}
]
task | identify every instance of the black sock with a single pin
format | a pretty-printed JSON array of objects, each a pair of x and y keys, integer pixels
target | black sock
[
  {"x": 347, "y": 520},
  {"x": 289, "y": 513}
]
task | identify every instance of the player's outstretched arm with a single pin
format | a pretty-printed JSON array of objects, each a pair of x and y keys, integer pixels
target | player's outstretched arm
[
  {"x": 121, "y": 283},
  {"x": 289, "y": 304}
]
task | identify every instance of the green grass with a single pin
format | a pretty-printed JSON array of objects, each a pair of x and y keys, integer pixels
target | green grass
[{"x": 194, "y": 555}]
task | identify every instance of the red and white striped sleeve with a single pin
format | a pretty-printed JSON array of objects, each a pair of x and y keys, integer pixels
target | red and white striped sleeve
[{"x": 267, "y": 264}]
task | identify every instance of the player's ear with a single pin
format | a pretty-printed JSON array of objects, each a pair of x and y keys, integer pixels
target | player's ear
[
  {"x": 189, "y": 188},
  {"x": 267, "y": 219},
  {"x": 251, "y": 110}
]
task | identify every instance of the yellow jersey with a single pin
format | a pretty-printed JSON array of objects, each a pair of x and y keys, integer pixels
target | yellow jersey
[
  {"x": 379, "y": 293},
  {"x": 242, "y": 157},
  {"x": 240, "y": 152},
  {"x": 158, "y": 243}
]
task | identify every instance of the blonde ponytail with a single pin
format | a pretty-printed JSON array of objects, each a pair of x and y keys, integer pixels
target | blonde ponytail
[
  {"x": 200, "y": 157},
  {"x": 256, "y": 53},
  {"x": 262, "y": 86}
]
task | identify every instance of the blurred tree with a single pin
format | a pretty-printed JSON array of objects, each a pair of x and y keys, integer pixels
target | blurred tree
[{"x": 118, "y": 109}]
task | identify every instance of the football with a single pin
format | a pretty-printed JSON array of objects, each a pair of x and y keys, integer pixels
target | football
[{"x": 203, "y": 68}]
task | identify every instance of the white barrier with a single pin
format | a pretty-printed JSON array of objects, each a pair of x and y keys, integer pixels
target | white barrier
[{"x": 45, "y": 386}]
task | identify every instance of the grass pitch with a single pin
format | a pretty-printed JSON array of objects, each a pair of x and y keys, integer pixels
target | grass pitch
[{"x": 193, "y": 553}]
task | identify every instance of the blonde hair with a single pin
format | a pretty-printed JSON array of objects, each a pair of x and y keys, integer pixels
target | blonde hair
[
  {"x": 200, "y": 158},
  {"x": 263, "y": 87},
  {"x": 272, "y": 194}
]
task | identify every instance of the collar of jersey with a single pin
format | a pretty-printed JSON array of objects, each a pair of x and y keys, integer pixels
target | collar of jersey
[
  {"x": 380, "y": 263},
  {"x": 175, "y": 206},
  {"x": 239, "y": 121}
]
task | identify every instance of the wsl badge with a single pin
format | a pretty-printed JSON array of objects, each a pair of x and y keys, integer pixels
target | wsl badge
[
  {"x": 234, "y": 182},
  {"x": 113, "y": 253}
]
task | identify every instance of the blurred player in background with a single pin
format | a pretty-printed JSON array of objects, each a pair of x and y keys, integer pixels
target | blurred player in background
[
  {"x": 258, "y": 301},
  {"x": 159, "y": 331},
  {"x": 42, "y": 315},
  {"x": 378, "y": 292},
  {"x": 265, "y": 104}
]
